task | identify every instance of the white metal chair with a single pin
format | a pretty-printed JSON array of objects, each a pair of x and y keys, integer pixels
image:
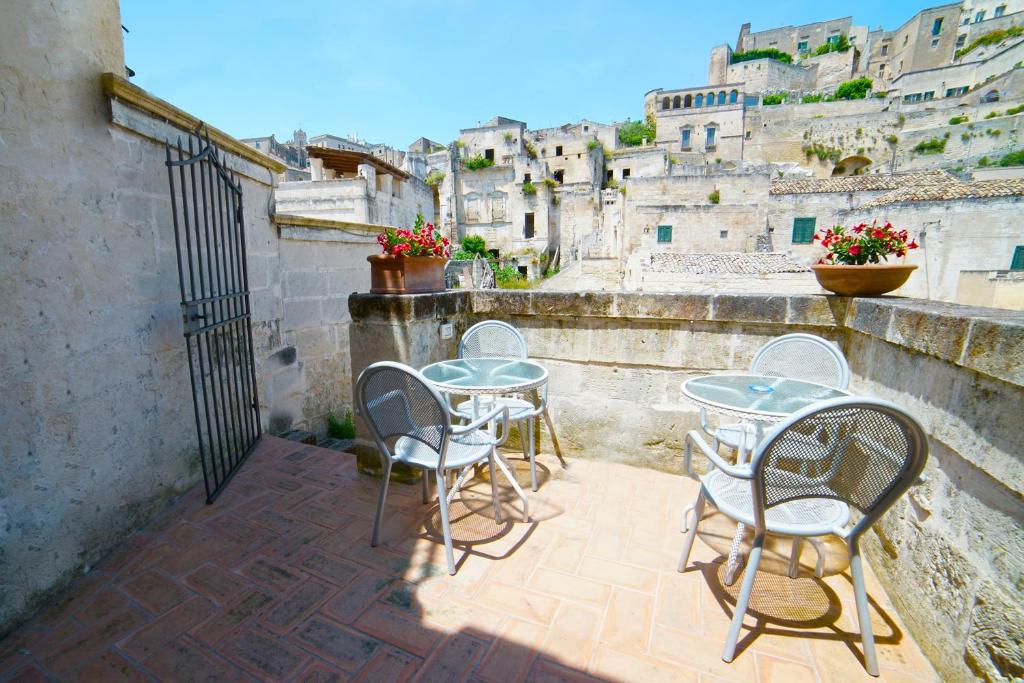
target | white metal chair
[
  {"x": 497, "y": 339},
  {"x": 794, "y": 356},
  {"x": 411, "y": 424},
  {"x": 867, "y": 454}
]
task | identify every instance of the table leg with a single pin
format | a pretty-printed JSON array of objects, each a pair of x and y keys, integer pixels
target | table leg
[{"x": 510, "y": 475}]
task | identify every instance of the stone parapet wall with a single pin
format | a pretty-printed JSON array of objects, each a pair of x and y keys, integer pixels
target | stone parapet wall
[{"x": 950, "y": 554}]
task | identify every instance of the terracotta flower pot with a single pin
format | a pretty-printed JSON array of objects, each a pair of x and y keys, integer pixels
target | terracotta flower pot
[
  {"x": 406, "y": 274},
  {"x": 871, "y": 279}
]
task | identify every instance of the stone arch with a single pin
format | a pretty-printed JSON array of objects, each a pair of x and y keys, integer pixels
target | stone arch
[
  {"x": 665, "y": 102},
  {"x": 688, "y": 101},
  {"x": 721, "y": 97},
  {"x": 734, "y": 95},
  {"x": 676, "y": 102},
  {"x": 855, "y": 164},
  {"x": 698, "y": 101}
]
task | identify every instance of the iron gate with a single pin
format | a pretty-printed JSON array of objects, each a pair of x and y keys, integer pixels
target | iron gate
[{"x": 209, "y": 233}]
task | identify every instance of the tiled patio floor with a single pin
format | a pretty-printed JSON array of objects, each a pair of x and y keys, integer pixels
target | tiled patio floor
[{"x": 277, "y": 581}]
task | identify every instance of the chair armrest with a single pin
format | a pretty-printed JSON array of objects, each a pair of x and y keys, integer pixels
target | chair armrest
[
  {"x": 736, "y": 471},
  {"x": 482, "y": 420}
]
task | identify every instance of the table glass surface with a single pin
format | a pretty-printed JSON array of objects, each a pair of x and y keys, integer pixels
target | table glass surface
[
  {"x": 759, "y": 394},
  {"x": 484, "y": 373}
]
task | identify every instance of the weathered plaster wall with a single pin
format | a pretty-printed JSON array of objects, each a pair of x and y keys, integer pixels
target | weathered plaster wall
[{"x": 950, "y": 555}]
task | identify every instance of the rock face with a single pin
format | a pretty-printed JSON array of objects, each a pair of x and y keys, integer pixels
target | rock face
[{"x": 950, "y": 554}]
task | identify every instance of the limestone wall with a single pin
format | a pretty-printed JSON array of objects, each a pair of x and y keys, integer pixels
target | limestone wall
[
  {"x": 950, "y": 555},
  {"x": 768, "y": 75}
]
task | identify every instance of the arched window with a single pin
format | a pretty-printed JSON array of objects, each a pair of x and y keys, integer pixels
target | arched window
[
  {"x": 709, "y": 101},
  {"x": 721, "y": 97},
  {"x": 665, "y": 103},
  {"x": 991, "y": 96},
  {"x": 676, "y": 101},
  {"x": 699, "y": 101},
  {"x": 687, "y": 101},
  {"x": 733, "y": 96}
]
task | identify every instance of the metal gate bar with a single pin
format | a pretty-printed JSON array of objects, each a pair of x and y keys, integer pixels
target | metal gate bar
[{"x": 213, "y": 277}]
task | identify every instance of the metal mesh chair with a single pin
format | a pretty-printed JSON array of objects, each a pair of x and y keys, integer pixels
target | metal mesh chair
[
  {"x": 411, "y": 424},
  {"x": 496, "y": 339},
  {"x": 865, "y": 453}
]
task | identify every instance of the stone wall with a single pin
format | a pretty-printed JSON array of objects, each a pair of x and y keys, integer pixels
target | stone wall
[
  {"x": 768, "y": 75},
  {"x": 950, "y": 555}
]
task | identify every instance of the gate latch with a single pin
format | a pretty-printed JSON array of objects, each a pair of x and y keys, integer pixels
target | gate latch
[{"x": 191, "y": 318}]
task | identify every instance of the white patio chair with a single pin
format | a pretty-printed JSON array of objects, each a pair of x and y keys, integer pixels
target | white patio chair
[
  {"x": 868, "y": 454},
  {"x": 496, "y": 339},
  {"x": 411, "y": 424},
  {"x": 794, "y": 356}
]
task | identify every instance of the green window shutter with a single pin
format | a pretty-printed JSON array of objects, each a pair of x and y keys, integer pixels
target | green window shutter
[
  {"x": 803, "y": 230},
  {"x": 1018, "y": 259},
  {"x": 664, "y": 233}
]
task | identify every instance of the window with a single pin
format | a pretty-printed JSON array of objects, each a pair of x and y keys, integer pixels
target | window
[
  {"x": 935, "y": 42},
  {"x": 611, "y": 174},
  {"x": 747, "y": 135},
  {"x": 1001, "y": 10},
  {"x": 489, "y": 154},
  {"x": 721, "y": 97},
  {"x": 833, "y": 40},
  {"x": 929, "y": 95},
  {"x": 723, "y": 234},
  {"x": 559, "y": 176},
  {"x": 586, "y": 128},
  {"x": 677, "y": 102},
  {"x": 558, "y": 151},
  {"x": 709, "y": 137},
  {"x": 526, "y": 178},
  {"x": 709, "y": 101},
  {"x": 625, "y": 173},
  {"x": 961, "y": 39},
  {"x": 472, "y": 208},
  {"x": 698, "y": 101},
  {"x": 733, "y": 96},
  {"x": 498, "y": 207},
  {"x": 980, "y": 16},
  {"x": 937, "y": 27},
  {"x": 687, "y": 101},
  {"x": 524, "y": 271},
  {"x": 1018, "y": 258},
  {"x": 803, "y": 230},
  {"x": 665, "y": 103},
  {"x": 528, "y": 226},
  {"x": 685, "y": 141},
  {"x": 881, "y": 70},
  {"x": 956, "y": 92},
  {"x": 664, "y": 234},
  {"x": 801, "y": 46},
  {"x": 885, "y": 49}
]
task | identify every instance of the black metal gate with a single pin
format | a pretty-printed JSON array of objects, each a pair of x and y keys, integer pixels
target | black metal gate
[{"x": 206, "y": 201}]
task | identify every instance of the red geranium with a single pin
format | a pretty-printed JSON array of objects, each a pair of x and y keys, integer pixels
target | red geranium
[
  {"x": 867, "y": 244},
  {"x": 422, "y": 240}
]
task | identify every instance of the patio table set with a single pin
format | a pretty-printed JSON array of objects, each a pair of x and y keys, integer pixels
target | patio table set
[{"x": 802, "y": 450}]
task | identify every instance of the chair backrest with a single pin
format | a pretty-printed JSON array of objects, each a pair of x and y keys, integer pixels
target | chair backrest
[
  {"x": 492, "y": 339},
  {"x": 395, "y": 400},
  {"x": 803, "y": 356},
  {"x": 862, "y": 451}
]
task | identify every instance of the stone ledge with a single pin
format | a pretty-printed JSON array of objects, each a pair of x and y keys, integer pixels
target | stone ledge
[{"x": 986, "y": 340}]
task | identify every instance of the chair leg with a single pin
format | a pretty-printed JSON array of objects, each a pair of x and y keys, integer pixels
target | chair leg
[
  {"x": 426, "y": 487},
  {"x": 494, "y": 485},
  {"x": 819, "y": 567},
  {"x": 698, "y": 511},
  {"x": 385, "y": 478},
  {"x": 794, "y": 557},
  {"x": 442, "y": 499},
  {"x": 521, "y": 427},
  {"x": 684, "y": 522},
  {"x": 744, "y": 598},
  {"x": 863, "y": 616},
  {"x": 533, "y": 454}
]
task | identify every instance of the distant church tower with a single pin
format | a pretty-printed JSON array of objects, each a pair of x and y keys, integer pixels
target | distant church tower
[{"x": 299, "y": 141}]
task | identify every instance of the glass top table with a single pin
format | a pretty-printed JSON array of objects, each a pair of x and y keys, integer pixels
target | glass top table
[
  {"x": 756, "y": 397},
  {"x": 471, "y": 376}
]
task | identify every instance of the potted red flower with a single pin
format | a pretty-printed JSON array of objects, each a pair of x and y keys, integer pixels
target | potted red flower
[
  {"x": 413, "y": 260},
  {"x": 856, "y": 263}
]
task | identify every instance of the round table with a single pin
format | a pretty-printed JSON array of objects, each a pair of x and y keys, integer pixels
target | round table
[
  {"x": 476, "y": 377},
  {"x": 758, "y": 399}
]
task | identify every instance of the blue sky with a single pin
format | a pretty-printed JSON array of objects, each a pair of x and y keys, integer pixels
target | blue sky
[{"x": 391, "y": 71}]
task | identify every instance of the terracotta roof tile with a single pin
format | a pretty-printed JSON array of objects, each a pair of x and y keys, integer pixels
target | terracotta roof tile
[
  {"x": 974, "y": 189},
  {"x": 860, "y": 183},
  {"x": 725, "y": 263}
]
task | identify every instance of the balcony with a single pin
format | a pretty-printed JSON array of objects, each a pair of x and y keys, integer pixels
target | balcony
[{"x": 277, "y": 578}]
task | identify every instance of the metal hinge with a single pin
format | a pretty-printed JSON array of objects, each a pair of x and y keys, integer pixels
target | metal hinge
[{"x": 190, "y": 318}]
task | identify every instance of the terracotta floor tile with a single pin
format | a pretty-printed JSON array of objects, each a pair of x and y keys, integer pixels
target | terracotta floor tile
[
  {"x": 389, "y": 664},
  {"x": 775, "y": 670},
  {"x": 336, "y": 643},
  {"x": 627, "y": 623},
  {"x": 518, "y": 601},
  {"x": 619, "y": 574},
  {"x": 569, "y": 587},
  {"x": 618, "y": 666},
  {"x": 678, "y": 602},
  {"x": 401, "y": 630},
  {"x": 452, "y": 661},
  {"x": 513, "y": 651},
  {"x": 573, "y": 635},
  {"x": 700, "y": 653}
]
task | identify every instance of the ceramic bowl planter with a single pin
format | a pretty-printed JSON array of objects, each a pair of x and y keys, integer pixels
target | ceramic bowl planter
[
  {"x": 406, "y": 274},
  {"x": 869, "y": 279}
]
